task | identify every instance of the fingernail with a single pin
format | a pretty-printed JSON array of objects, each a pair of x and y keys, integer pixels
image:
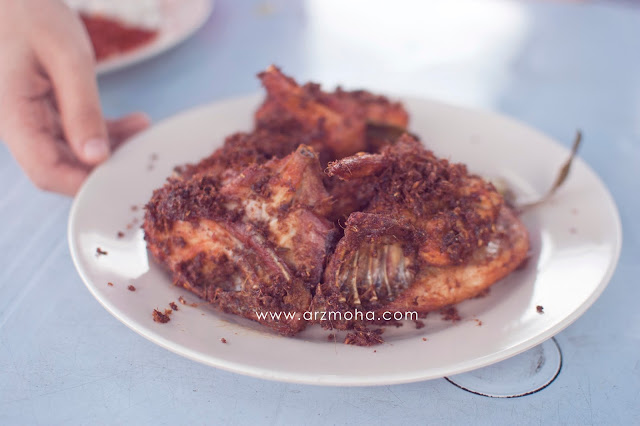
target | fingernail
[{"x": 96, "y": 150}]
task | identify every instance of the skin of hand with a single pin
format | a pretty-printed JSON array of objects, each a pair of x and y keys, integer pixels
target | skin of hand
[{"x": 50, "y": 114}]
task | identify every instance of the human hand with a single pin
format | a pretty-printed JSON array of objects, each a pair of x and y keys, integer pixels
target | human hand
[{"x": 50, "y": 114}]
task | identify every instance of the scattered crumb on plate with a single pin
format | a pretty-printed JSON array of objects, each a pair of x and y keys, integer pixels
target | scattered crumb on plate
[
  {"x": 364, "y": 337},
  {"x": 184, "y": 302},
  {"x": 450, "y": 314},
  {"x": 160, "y": 317}
]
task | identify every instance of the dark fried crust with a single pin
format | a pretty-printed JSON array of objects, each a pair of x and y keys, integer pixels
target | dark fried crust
[
  {"x": 431, "y": 235},
  {"x": 454, "y": 209},
  {"x": 226, "y": 244},
  {"x": 341, "y": 117}
]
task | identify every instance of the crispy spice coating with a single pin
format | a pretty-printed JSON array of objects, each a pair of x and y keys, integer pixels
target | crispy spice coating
[
  {"x": 340, "y": 117},
  {"x": 454, "y": 209},
  {"x": 431, "y": 235},
  {"x": 258, "y": 242}
]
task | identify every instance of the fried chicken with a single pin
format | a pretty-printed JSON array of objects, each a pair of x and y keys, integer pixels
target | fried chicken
[
  {"x": 254, "y": 226},
  {"x": 341, "y": 117},
  {"x": 336, "y": 124},
  {"x": 256, "y": 240},
  {"x": 432, "y": 235}
]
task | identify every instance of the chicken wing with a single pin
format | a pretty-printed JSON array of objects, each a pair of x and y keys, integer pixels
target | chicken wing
[
  {"x": 342, "y": 116},
  {"x": 255, "y": 241}
]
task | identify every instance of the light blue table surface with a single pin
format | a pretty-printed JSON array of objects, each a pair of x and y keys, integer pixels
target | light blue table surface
[{"x": 555, "y": 66}]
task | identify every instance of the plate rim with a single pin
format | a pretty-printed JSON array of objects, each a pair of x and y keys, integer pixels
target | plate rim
[{"x": 345, "y": 380}]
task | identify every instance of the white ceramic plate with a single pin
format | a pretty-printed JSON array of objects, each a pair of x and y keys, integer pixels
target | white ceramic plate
[
  {"x": 576, "y": 240},
  {"x": 179, "y": 19}
]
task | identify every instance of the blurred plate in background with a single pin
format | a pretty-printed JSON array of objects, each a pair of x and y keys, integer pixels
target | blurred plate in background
[{"x": 174, "y": 20}]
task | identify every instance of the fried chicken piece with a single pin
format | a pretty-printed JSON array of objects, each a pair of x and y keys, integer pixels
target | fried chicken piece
[
  {"x": 336, "y": 124},
  {"x": 256, "y": 240},
  {"x": 432, "y": 235},
  {"x": 341, "y": 117}
]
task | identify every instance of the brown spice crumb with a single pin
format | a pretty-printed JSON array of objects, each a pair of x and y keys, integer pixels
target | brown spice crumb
[
  {"x": 110, "y": 284},
  {"x": 168, "y": 311},
  {"x": 184, "y": 302},
  {"x": 364, "y": 338},
  {"x": 100, "y": 252},
  {"x": 374, "y": 351},
  {"x": 223, "y": 340},
  {"x": 450, "y": 314},
  {"x": 331, "y": 337},
  {"x": 424, "y": 339},
  {"x": 173, "y": 306},
  {"x": 160, "y": 317},
  {"x": 134, "y": 208},
  {"x": 120, "y": 234},
  {"x": 478, "y": 322},
  {"x": 419, "y": 324},
  {"x": 131, "y": 288},
  {"x": 540, "y": 309}
]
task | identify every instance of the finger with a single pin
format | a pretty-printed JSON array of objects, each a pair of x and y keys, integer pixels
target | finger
[
  {"x": 123, "y": 128},
  {"x": 67, "y": 58},
  {"x": 63, "y": 179},
  {"x": 47, "y": 162},
  {"x": 33, "y": 136}
]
